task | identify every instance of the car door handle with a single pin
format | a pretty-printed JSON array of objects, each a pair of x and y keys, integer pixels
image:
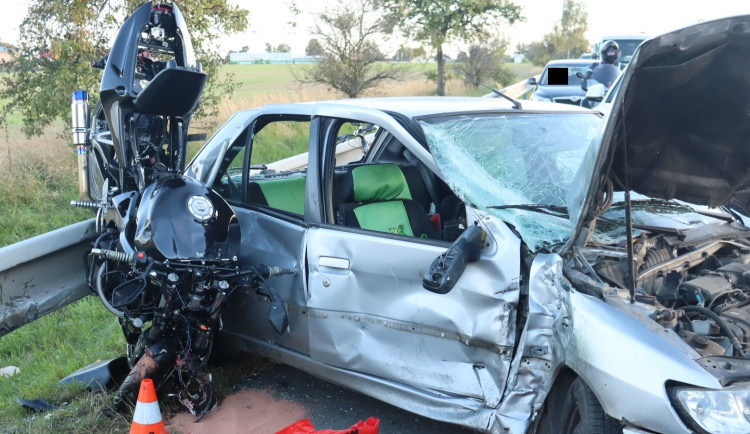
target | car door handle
[{"x": 331, "y": 262}]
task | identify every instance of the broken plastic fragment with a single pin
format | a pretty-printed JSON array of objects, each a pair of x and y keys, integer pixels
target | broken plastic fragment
[
  {"x": 38, "y": 404},
  {"x": 9, "y": 371}
]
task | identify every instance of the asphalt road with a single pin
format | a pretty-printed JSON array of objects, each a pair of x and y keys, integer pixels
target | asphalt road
[{"x": 330, "y": 406}]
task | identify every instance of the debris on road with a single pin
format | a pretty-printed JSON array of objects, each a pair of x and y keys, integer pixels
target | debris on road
[{"x": 304, "y": 426}]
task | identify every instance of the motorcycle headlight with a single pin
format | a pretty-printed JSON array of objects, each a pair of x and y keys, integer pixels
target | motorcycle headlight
[
  {"x": 539, "y": 98},
  {"x": 717, "y": 411}
]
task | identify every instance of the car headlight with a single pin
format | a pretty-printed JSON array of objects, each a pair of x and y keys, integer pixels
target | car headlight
[
  {"x": 539, "y": 98},
  {"x": 717, "y": 411}
]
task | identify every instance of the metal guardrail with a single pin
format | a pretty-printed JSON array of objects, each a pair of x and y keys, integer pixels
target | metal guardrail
[
  {"x": 42, "y": 274},
  {"x": 520, "y": 90}
]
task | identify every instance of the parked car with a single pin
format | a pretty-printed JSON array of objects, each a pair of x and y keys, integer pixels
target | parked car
[{"x": 558, "y": 81}]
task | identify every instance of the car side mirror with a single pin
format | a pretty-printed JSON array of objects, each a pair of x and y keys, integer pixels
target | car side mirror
[
  {"x": 596, "y": 92},
  {"x": 447, "y": 268},
  {"x": 531, "y": 81}
]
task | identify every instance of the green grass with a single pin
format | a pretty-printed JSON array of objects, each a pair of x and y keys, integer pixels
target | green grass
[
  {"x": 263, "y": 79},
  {"x": 37, "y": 182},
  {"x": 47, "y": 351},
  {"x": 524, "y": 70}
]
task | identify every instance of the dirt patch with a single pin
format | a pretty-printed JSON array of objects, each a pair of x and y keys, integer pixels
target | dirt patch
[
  {"x": 273, "y": 396},
  {"x": 248, "y": 411}
]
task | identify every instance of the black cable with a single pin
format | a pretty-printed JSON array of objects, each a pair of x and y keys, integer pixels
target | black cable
[{"x": 722, "y": 325}]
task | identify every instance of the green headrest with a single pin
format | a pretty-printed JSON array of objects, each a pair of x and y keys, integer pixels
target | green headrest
[{"x": 375, "y": 182}]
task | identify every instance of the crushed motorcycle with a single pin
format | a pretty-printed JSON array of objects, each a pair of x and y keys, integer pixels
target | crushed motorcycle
[{"x": 165, "y": 257}]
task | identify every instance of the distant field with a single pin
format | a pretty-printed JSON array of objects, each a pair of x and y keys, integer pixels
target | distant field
[{"x": 279, "y": 79}]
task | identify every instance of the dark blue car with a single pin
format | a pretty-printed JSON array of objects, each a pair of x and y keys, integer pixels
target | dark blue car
[{"x": 559, "y": 82}]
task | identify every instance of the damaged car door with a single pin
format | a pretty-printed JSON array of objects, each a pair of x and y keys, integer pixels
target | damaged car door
[
  {"x": 261, "y": 170},
  {"x": 367, "y": 309}
]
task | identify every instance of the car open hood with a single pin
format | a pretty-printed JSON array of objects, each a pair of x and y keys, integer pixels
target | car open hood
[{"x": 679, "y": 124}]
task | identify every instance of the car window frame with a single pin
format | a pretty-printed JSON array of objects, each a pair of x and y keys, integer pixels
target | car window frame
[{"x": 249, "y": 132}]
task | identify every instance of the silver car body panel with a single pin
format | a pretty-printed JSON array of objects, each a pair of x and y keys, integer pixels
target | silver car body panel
[
  {"x": 374, "y": 317},
  {"x": 622, "y": 355},
  {"x": 627, "y": 360},
  {"x": 282, "y": 242},
  {"x": 540, "y": 350}
]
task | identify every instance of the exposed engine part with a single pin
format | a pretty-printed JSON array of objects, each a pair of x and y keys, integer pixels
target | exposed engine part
[
  {"x": 113, "y": 255},
  {"x": 705, "y": 289},
  {"x": 701, "y": 291},
  {"x": 657, "y": 256}
]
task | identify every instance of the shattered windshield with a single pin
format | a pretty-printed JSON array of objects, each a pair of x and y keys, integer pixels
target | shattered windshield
[{"x": 504, "y": 162}]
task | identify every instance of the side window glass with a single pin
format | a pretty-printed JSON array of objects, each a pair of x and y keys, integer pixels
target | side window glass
[
  {"x": 277, "y": 172},
  {"x": 228, "y": 183}
]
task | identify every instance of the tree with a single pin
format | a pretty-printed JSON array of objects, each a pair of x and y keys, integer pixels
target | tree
[
  {"x": 283, "y": 48},
  {"x": 436, "y": 22},
  {"x": 352, "y": 62},
  {"x": 567, "y": 38},
  {"x": 485, "y": 63},
  {"x": 405, "y": 54},
  {"x": 269, "y": 47},
  {"x": 569, "y": 34},
  {"x": 314, "y": 48},
  {"x": 61, "y": 38},
  {"x": 540, "y": 52}
]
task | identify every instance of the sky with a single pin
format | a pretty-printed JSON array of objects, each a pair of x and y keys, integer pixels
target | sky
[{"x": 269, "y": 20}]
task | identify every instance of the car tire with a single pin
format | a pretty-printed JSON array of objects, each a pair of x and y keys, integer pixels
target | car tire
[{"x": 573, "y": 408}]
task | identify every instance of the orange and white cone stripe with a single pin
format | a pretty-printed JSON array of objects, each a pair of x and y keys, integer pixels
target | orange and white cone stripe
[{"x": 147, "y": 416}]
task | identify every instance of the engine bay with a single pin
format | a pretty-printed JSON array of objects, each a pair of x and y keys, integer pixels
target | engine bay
[{"x": 695, "y": 282}]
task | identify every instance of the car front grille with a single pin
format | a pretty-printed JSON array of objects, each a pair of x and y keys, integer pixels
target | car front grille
[{"x": 574, "y": 100}]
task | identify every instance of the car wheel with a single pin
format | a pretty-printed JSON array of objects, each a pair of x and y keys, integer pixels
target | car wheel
[{"x": 573, "y": 409}]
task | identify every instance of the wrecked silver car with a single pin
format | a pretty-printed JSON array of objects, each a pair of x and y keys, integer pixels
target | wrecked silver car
[
  {"x": 512, "y": 266},
  {"x": 505, "y": 266}
]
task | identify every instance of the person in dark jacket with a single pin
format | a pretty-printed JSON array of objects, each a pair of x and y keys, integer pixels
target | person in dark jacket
[{"x": 607, "y": 70}]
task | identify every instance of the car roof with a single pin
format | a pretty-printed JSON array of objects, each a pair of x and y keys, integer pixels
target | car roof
[
  {"x": 621, "y": 37},
  {"x": 558, "y": 62},
  {"x": 418, "y": 106}
]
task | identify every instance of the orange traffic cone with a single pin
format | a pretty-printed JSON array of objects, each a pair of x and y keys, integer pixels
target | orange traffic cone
[{"x": 147, "y": 416}]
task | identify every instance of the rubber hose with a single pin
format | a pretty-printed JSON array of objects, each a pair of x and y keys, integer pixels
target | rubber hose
[{"x": 722, "y": 325}]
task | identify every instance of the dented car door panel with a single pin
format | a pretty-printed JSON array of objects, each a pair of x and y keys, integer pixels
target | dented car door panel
[
  {"x": 376, "y": 318},
  {"x": 282, "y": 242}
]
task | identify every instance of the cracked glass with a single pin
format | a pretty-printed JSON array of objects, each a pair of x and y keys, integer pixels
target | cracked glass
[{"x": 527, "y": 163}]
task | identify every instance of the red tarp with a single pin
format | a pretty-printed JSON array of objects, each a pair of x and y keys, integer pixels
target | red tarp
[{"x": 370, "y": 426}]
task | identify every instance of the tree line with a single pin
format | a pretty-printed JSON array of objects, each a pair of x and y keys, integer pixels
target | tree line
[{"x": 61, "y": 38}]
